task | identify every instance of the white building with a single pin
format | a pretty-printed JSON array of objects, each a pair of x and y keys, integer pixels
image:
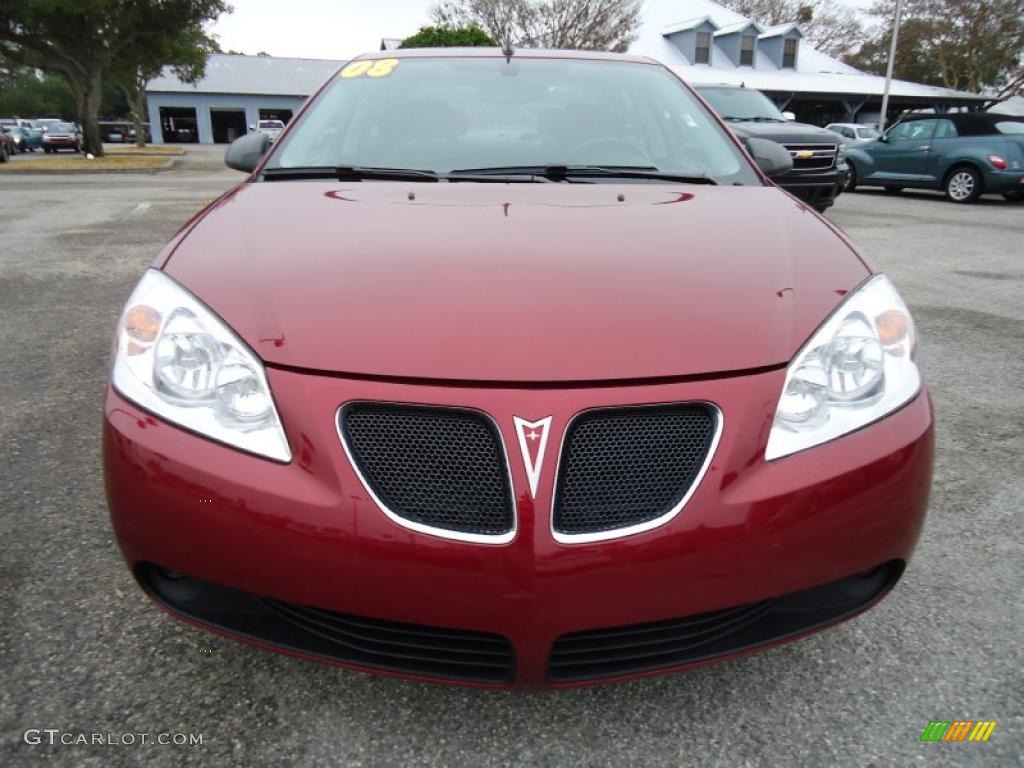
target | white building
[
  {"x": 707, "y": 44},
  {"x": 235, "y": 92}
]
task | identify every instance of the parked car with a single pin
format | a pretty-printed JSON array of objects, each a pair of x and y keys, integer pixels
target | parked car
[
  {"x": 521, "y": 372},
  {"x": 966, "y": 155},
  {"x": 819, "y": 166},
  {"x": 273, "y": 128},
  {"x": 25, "y": 139},
  {"x": 60, "y": 136},
  {"x": 854, "y": 133}
]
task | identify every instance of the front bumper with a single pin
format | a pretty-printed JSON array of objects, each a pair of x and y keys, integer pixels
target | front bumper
[
  {"x": 818, "y": 189},
  {"x": 308, "y": 534}
]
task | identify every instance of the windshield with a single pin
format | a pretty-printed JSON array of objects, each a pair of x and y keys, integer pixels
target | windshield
[
  {"x": 446, "y": 114},
  {"x": 868, "y": 133},
  {"x": 741, "y": 104},
  {"x": 61, "y": 128}
]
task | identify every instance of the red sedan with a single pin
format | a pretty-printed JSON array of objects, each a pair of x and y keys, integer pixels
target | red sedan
[{"x": 514, "y": 368}]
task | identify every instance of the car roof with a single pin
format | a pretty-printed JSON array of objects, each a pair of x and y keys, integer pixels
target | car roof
[
  {"x": 969, "y": 123},
  {"x": 496, "y": 53}
]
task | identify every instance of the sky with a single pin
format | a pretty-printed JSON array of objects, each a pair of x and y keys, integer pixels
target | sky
[
  {"x": 326, "y": 29},
  {"x": 317, "y": 29}
]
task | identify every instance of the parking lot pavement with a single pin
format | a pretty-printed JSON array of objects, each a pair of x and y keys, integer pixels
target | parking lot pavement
[{"x": 83, "y": 651}]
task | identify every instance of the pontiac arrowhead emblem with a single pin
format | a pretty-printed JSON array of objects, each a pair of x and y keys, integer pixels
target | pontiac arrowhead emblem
[{"x": 533, "y": 441}]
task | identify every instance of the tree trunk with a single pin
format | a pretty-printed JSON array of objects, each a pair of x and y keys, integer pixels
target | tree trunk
[
  {"x": 138, "y": 106},
  {"x": 92, "y": 93}
]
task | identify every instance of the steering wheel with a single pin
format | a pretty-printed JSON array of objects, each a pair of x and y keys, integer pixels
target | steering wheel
[{"x": 618, "y": 151}]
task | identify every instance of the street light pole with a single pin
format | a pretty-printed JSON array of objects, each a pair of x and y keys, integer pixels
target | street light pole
[{"x": 888, "y": 69}]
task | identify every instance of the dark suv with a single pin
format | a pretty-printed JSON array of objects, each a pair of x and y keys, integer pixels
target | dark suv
[{"x": 819, "y": 157}]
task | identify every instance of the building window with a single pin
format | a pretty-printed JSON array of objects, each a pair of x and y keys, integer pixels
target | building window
[
  {"x": 703, "y": 48},
  {"x": 747, "y": 51},
  {"x": 789, "y": 53}
]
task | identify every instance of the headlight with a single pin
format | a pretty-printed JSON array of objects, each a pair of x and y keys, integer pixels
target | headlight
[
  {"x": 841, "y": 154},
  {"x": 174, "y": 357},
  {"x": 858, "y": 366}
]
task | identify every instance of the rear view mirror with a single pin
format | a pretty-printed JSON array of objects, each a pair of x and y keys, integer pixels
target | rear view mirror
[
  {"x": 245, "y": 152},
  {"x": 772, "y": 158}
]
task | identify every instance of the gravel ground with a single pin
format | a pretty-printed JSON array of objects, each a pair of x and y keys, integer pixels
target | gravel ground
[{"x": 81, "y": 649}]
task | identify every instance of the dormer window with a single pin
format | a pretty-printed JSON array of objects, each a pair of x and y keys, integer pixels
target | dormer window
[
  {"x": 747, "y": 51},
  {"x": 789, "y": 54},
  {"x": 703, "y": 54}
]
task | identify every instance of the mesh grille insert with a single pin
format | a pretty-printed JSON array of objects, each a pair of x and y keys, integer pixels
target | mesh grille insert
[
  {"x": 628, "y": 466},
  {"x": 439, "y": 467}
]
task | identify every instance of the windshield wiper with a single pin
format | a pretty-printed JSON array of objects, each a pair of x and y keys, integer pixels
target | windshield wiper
[
  {"x": 567, "y": 172},
  {"x": 759, "y": 119},
  {"x": 349, "y": 173}
]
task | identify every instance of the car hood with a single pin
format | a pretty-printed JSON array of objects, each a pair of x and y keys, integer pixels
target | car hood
[
  {"x": 785, "y": 133},
  {"x": 516, "y": 282}
]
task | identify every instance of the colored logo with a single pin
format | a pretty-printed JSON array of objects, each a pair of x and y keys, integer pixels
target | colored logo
[
  {"x": 958, "y": 730},
  {"x": 804, "y": 154},
  {"x": 533, "y": 442}
]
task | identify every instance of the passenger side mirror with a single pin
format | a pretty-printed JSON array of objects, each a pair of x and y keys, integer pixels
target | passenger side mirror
[
  {"x": 245, "y": 152},
  {"x": 772, "y": 158}
]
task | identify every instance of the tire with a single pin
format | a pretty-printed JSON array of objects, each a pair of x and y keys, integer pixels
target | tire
[
  {"x": 963, "y": 185},
  {"x": 3, "y": 153},
  {"x": 851, "y": 178}
]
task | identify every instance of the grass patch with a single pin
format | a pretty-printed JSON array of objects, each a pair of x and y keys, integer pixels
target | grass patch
[
  {"x": 78, "y": 163},
  {"x": 150, "y": 149}
]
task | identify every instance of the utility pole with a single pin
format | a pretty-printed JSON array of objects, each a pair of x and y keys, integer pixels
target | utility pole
[{"x": 888, "y": 69}]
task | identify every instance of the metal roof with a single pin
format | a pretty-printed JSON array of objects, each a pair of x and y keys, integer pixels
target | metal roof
[
  {"x": 782, "y": 29},
  {"x": 815, "y": 73},
  {"x": 687, "y": 24},
  {"x": 739, "y": 26},
  {"x": 256, "y": 75}
]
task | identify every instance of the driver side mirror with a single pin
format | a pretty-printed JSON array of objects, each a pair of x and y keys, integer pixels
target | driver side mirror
[
  {"x": 245, "y": 152},
  {"x": 772, "y": 158},
  {"x": 791, "y": 116}
]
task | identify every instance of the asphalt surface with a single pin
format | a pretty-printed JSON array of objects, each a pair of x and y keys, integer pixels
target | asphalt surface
[{"x": 81, "y": 649}]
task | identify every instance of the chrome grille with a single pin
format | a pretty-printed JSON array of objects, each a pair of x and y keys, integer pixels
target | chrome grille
[
  {"x": 627, "y": 468},
  {"x": 441, "y": 469},
  {"x": 813, "y": 157}
]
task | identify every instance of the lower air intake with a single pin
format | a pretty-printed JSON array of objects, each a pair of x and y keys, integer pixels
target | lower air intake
[{"x": 615, "y": 651}]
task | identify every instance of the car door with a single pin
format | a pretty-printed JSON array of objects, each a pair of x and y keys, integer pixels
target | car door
[
  {"x": 946, "y": 148},
  {"x": 903, "y": 156}
]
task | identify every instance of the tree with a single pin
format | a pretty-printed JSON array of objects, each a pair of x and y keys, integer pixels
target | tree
[
  {"x": 184, "y": 52},
  {"x": 82, "y": 40},
  {"x": 444, "y": 37},
  {"x": 606, "y": 25},
  {"x": 969, "y": 45},
  {"x": 830, "y": 26}
]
